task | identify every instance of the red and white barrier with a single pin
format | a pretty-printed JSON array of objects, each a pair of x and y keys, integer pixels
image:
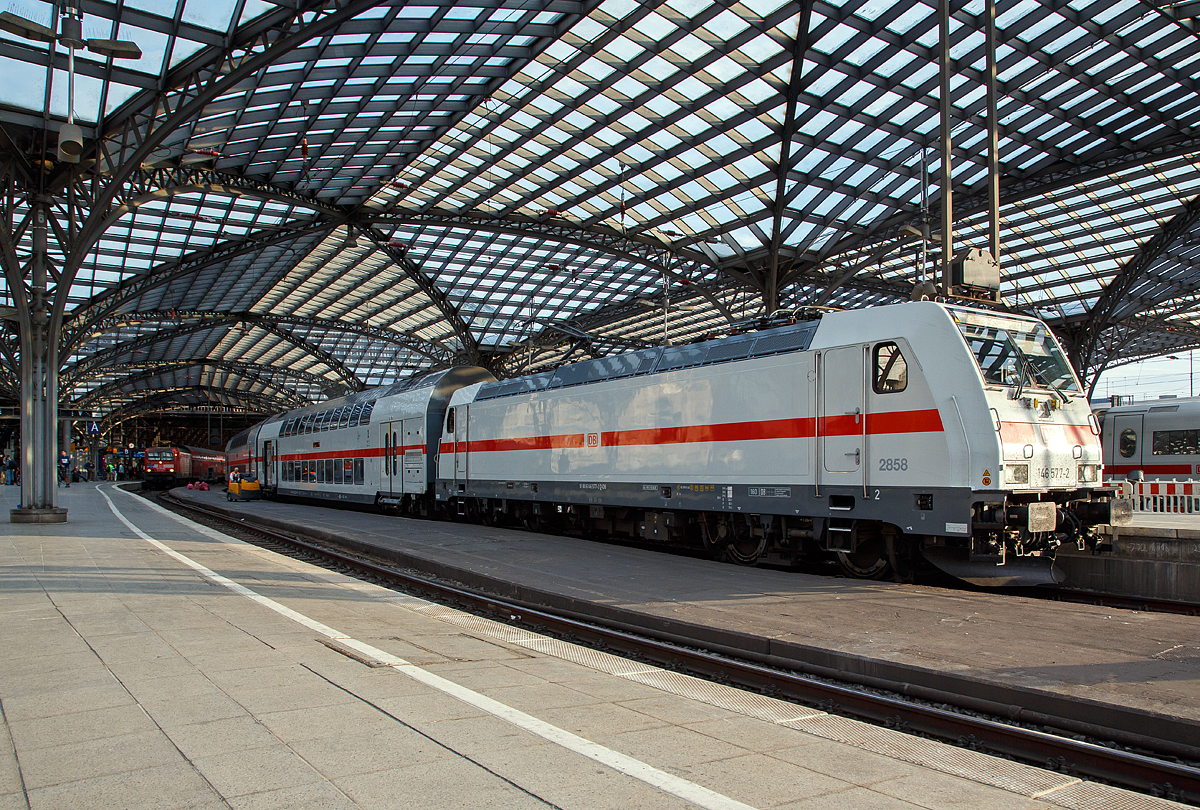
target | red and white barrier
[{"x": 1163, "y": 497}]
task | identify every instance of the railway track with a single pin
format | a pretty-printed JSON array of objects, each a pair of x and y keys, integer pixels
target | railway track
[
  {"x": 1084, "y": 746},
  {"x": 1139, "y": 603}
]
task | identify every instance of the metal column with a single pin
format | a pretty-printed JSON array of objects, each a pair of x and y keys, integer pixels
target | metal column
[
  {"x": 39, "y": 392},
  {"x": 947, "y": 194},
  {"x": 993, "y": 132}
]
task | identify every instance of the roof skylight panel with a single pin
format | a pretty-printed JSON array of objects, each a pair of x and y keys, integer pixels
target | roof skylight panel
[
  {"x": 595, "y": 69},
  {"x": 835, "y": 39}
]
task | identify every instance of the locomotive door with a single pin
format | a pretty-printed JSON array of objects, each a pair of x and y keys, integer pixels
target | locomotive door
[
  {"x": 414, "y": 456},
  {"x": 268, "y": 472},
  {"x": 389, "y": 472},
  {"x": 1127, "y": 444},
  {"x": 843, "y": 421},
  {"x": 460, "y": 444}
]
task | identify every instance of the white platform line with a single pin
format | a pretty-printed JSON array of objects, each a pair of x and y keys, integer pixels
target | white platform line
[{"x": 668, "y": 783}]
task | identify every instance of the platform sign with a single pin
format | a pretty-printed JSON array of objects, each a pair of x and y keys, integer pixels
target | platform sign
[{"x": 93, "y": 429}]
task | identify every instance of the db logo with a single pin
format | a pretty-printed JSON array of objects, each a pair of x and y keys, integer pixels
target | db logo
[{"x": 593, "y": 440}]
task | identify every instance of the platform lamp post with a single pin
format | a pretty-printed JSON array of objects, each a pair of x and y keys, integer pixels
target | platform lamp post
[{"x": 38, "y": 341}]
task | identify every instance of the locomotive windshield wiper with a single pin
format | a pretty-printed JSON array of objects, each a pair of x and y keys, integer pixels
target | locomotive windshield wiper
[{"x": 1025, "y": 371}]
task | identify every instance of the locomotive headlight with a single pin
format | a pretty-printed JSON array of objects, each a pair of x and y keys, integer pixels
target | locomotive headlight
[
  {"x": 1089, "y": 473},
  {"x": 1016, "y": 473}
]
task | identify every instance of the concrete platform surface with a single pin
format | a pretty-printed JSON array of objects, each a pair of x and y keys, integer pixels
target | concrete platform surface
[
  {"x": 1146, "y": 661},
  {"x": 147, "y": 662}
]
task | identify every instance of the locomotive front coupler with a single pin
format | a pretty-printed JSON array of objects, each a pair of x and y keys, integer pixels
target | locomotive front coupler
[
  {"x": 1041, "y": 516},
  {"x": 1113, "y": 511}
]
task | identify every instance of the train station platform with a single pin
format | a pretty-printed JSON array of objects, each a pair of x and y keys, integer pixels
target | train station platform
[{"x": 147, "y": 661}]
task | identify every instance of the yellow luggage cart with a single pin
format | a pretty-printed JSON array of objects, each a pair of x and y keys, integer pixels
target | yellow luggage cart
[{"x": 247, "y": 489}]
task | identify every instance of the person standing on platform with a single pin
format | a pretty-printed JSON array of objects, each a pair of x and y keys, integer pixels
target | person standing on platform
[
  {"x": 64, "y": 468},
  {"x": 10, "y": 470}
]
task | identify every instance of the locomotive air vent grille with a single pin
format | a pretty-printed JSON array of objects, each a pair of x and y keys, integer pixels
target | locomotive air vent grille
[
  {"x": 510, "y": 387},
  {"x": 578, "y": 374},
  {"x": 537, "y": 382},
  {"x": 645, "y": 360},
  {"x": 626, "y": 365},
  {"x": 728, "y": 350},
  {"x": 788, "y": 340},
  {"x": 682, "y": 357}
]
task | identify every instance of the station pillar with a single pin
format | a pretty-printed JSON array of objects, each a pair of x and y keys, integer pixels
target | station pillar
[{"x": 39, "y": 391}]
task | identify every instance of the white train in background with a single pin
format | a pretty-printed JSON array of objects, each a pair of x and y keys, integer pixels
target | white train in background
[
  {"x": 882, "y": 437},
  {"x": 1158, "y": 438}
]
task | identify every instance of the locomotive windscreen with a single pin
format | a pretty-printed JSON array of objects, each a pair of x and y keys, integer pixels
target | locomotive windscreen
[{"x": 1008, "y": 349}]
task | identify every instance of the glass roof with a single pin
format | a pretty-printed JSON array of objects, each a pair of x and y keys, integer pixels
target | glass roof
[{"x": 281, "y": 203}]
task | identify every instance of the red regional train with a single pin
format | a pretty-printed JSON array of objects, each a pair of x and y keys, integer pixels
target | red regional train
[
  {"x": 168, "y": 467},
  {"x": 881, "y": 437}
]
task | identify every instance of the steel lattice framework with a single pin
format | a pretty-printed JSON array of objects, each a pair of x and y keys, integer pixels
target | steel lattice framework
[{"x": 281, "y": 203}]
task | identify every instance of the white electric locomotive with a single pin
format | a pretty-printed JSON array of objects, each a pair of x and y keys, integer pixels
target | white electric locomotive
[{"x": 882, "y": 436}]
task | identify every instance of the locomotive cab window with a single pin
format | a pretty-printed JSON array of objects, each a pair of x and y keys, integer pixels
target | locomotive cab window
[
  {"x": 1128, "y": 443},
  {"x": 450, "y": 421},
  {"x": 891, "y": 370}
]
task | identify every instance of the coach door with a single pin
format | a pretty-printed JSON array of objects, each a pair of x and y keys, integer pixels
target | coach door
[
  {"x": 1127, "y": 443},
  {"x": 413, "y": 461},
  {"x": 389, "y": 463},
  {"x": 268, "y": 473},
  {"x": 843, "y": 421},
  {"x": 460, "y": 444}
]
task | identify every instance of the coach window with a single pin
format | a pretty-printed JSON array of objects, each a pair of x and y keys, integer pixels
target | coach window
[
  {"x": 1128, "y": 443},
  {"x": 1176, "y": 443},
  {"x": 891, "y": 371},
  {"x": 337, "y": 471},
  {"x": 359, "y": 478}
]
